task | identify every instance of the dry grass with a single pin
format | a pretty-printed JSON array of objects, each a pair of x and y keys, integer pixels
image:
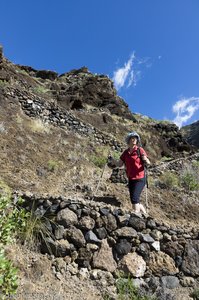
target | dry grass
[{"x": 37, "y": 126}]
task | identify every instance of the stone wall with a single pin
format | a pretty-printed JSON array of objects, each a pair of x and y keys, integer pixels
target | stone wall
[
  {"x": 50, "y": 113},
  {"x": 88, "y": 238}
]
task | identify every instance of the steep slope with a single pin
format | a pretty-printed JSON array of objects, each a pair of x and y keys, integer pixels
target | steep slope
[
  {"x": 191, "y": 133},
  {"x": 56, "y": 132}
]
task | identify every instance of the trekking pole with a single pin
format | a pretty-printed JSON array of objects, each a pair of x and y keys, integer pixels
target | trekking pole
[
  {"x": 146, "y": 189},
  {"x": 100, "y": 179}
]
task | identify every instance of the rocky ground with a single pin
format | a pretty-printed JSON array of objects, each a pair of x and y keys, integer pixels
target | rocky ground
[{"x": 56, "y": 132}]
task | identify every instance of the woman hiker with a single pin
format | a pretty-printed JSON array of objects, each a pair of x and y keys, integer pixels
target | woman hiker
[{"x": 135, "y": 159}]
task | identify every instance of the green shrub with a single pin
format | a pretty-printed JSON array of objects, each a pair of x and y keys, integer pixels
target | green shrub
[
  {"x": 3, "y": 83},
  {"x": 189, "y": 181},
  {"x": 99, "y": 161},
  {"x": 126, "y": 290},
  {"x": 12, "y": 220},
  {"x": 195, "y": 294},
  {"x": 189, "y": 178},
  {"x": 36, "y": 230},
  {"x": 170, "y": 180},
  {"x": 40, "y": 89},
  {"x": 8, "y": 277},
  {"x": 52, "y": 165}
]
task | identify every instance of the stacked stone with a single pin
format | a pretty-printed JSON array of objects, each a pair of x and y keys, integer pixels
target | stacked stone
[
  {"x": 48, "y": 112},
  {"x": 90, "y": 238}
]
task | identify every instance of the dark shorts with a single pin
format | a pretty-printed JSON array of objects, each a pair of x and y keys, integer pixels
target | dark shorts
[{"x": 135, "y": 189}]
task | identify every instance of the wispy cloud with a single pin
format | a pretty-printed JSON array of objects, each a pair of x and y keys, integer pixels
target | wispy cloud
[
  {"x": 129, "y": 73},
  {"x": 184, "y": 109},
  {"x": 121, "y": 74}
]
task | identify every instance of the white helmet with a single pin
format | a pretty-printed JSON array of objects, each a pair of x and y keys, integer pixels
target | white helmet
[{"x": 131, "y": 134}]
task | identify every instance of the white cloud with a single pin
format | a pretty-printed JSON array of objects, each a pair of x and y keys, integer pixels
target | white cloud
[
  {"x": 121, "y": 74},
  {"x": 133, "y": 78},
  {"x": 129, "y": 74},
  {"x": 185, "y": 109}
]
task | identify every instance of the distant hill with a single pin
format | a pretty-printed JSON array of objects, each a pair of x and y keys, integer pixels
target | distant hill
[{"x": 191, "y": 133}]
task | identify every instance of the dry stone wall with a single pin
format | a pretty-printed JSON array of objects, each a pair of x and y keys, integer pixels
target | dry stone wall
[
  {"x": 50, "y": 113},
  {"x": 91, "y": 238}
]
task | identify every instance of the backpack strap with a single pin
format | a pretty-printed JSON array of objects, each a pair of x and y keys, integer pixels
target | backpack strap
[{"x": 145, "y": 170}]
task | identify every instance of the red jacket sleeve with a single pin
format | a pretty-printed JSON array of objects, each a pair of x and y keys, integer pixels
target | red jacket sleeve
[{"x": 142, "y": 152}]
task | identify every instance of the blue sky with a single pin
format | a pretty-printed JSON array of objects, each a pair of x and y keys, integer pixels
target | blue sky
[{"x": 149, "y": 48}]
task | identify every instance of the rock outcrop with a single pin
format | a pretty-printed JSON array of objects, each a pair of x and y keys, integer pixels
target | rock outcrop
[{"x": 191, "y": 133}]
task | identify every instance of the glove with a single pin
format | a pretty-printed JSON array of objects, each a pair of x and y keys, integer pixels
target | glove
[
  {"x": 146, "y": 164},
  {"x": 110, "y": 162}
]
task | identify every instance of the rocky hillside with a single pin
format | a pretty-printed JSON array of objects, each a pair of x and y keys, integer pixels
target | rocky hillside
[
  {"x": 191, "y": 133},
  {"x": 56, "y": 132}
]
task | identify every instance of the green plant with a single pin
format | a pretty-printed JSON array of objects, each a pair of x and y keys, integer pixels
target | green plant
[
  {"x": 195, "y": 294},
  {"x": 36, "y": 229},
  {"x": 126, "y": 290},
  {"x": 170, "y": 180},
  {"x": 52, "y": 165},
  {"x": 189, "y": 181},
  {"x": 21, "y": 71},
  {"x": 189, "y": 178},
  {"x": 8, "y": 276},
  {"x": 12, "y": 220},
  {"x": 99, "y": 161},
  {"x": 3, "y": 83},
  {"x": 40, "y": 89}
]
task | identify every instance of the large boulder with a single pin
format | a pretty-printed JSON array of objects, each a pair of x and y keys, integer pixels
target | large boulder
[
  {"x": 161, "y": 264},
  {"x": 190, "y": 264},
  {"x": 103, "y": 259},
  {"x": 87, "y": 223},
  {"x": 137, "y": 223},
  {"x": 59, "y": 248},
  {"x": 126, "y": 232},
  {"x": 170, "y": 282},
  {"x": 172, "y": 248},
  {"x": 75, "y": 236},
  {"x": 66, "y": 217},
  {"x": 132, "y": 264}
]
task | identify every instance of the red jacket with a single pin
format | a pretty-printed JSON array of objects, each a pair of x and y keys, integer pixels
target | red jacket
[{"x": 134, "y": 164}]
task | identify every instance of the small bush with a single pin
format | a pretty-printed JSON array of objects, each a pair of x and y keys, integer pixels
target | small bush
[
  {"x": 40, "y": 89},
  {"x": 99, "y": 161},
  {"x": 189, "y": 182},
  {"x": 12, "y": 220},
  {"x": 36, "y": 230},
  {"x": 3, "y": 83},
  {"x": 169, "y": 180},
  {"x": 126, "y": 290},
  {"x": 189, "y": 178},
  {"x": 52, "y": 165},
  {"x": 8, "y": 276},
  {"x": 37, "y": 126}
]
